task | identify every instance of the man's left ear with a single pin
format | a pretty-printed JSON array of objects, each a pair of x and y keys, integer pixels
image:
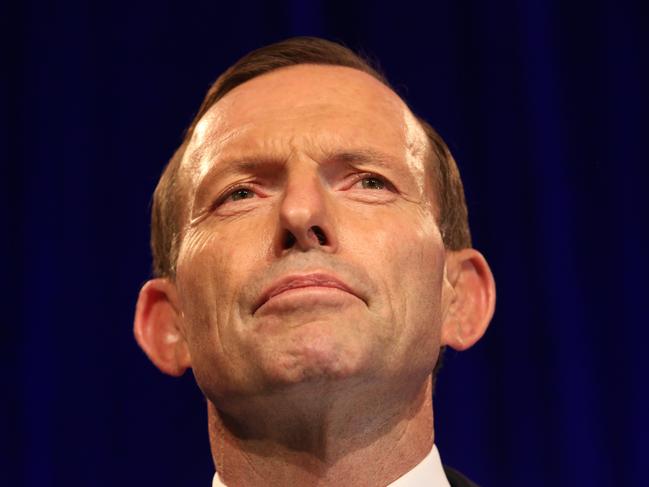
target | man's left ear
[{"x": 471, "y": 298}]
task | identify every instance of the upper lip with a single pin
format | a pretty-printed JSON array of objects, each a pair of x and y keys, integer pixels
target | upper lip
[{"x": 301, "y": 280}]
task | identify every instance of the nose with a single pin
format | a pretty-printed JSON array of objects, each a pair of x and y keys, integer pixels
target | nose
[{"x": 305, "y": 220}]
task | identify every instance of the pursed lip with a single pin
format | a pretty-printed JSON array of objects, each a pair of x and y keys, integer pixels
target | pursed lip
[{"x": 296, "y": 281}]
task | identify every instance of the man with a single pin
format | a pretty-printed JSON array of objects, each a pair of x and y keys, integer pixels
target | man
[{"x": 312, "y": 258}]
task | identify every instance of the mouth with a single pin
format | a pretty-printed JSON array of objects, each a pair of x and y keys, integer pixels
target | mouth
[{"x": 316, "y": 280}]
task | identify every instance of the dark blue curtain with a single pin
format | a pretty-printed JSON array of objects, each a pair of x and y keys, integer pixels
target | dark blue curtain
[{"x": 546, "y": 107}]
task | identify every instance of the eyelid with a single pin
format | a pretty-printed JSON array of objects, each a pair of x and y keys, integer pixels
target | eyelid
[
  {"x": 230, "y": 190},
  {"x": 364, "y": 175}
]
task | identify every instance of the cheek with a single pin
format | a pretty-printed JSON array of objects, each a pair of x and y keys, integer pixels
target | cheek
[
  {"x": 393, "y": 242},
  {"x": 212, "y": 269},
  {"x": 427, "y": 273},
  {"x": 217, "y": 261},
  {"x": 197, "y": 287},
  {"x": 211, "y": 265},
  {"x": 218, "y": 253},
  {"x": 405, "y": 255}
]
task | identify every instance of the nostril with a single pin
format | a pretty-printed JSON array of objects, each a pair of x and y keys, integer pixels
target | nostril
[
  {"x": 317, "y": 231},
  {"x": 289, "y": 240}
]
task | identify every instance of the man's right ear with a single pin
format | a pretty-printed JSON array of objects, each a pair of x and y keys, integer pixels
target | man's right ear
[{"x": 157, "y": 327}]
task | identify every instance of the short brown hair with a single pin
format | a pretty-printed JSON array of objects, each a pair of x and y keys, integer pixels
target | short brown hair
[{"x": 168, "y": 204}]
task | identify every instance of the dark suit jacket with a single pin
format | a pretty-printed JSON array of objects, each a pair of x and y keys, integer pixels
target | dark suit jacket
[{"x": 456, "y": 479}]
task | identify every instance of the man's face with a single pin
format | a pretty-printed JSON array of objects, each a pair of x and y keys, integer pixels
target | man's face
[{"x": 312, "y": 251}]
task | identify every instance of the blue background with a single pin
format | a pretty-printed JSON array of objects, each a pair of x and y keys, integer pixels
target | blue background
[{"x": 545, "y": 107}]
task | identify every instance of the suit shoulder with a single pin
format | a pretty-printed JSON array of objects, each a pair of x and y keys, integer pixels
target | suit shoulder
[{"x": 456, "y": 479}]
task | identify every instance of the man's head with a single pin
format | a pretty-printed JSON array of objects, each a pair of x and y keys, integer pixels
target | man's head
[
  {"x": 310, "y": 228},
  {"x": 169, "y": 199}
]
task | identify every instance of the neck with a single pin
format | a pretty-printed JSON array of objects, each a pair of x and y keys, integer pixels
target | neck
[{"x": 365, "y": 438}]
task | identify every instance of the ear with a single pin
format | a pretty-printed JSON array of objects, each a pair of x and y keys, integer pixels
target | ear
[
  {"x": 157, "y": 327},
  {"x": 472, "y": 298}
]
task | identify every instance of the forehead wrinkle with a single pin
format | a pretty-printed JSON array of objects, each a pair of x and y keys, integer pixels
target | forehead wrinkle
[{"x": 219, "y": 162}]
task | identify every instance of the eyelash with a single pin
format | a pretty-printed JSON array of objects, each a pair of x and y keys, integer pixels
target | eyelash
[
  {"x": 231, "y": 191},
  {"x": 357, "y": 178},
  {"x": 370, "y": 175}
]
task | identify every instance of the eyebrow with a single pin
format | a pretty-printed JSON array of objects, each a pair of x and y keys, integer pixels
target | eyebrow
[
  {"x": 235, "y": 166},
  {"x": 257, "y": 164},
  {"x": 363, "y": 156}
]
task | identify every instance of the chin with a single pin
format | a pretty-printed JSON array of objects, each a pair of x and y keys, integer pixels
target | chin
[{"x": 315, "y": 353}]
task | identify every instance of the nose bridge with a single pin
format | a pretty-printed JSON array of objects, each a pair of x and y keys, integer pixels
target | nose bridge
[
  {"x": 304, "y": 194},
  {"x": 304, "y": 208}
]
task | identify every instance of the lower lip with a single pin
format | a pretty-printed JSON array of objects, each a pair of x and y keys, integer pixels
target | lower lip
[{"x": 306, "y": 298}]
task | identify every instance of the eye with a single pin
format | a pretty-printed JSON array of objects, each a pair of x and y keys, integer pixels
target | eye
[
  {"x": 239, "y": 194},
  {"x": 235, "y": 194},
  {"x": 372, "y": 182}
]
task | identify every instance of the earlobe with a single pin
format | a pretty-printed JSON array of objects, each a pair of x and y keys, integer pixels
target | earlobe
[
  {"x": 157, "y": 327},
  {"x": 474, "y": 297}
]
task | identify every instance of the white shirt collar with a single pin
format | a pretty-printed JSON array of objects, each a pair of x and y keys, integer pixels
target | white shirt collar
[{"x": 429, "y": 472}]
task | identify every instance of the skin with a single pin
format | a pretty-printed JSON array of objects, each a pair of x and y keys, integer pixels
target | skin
[{"x": 313, "y": 169}]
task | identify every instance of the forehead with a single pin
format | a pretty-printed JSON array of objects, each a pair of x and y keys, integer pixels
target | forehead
[
  {"x": 304, "y": 107},
  {"x": 301, "y": 90}
]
